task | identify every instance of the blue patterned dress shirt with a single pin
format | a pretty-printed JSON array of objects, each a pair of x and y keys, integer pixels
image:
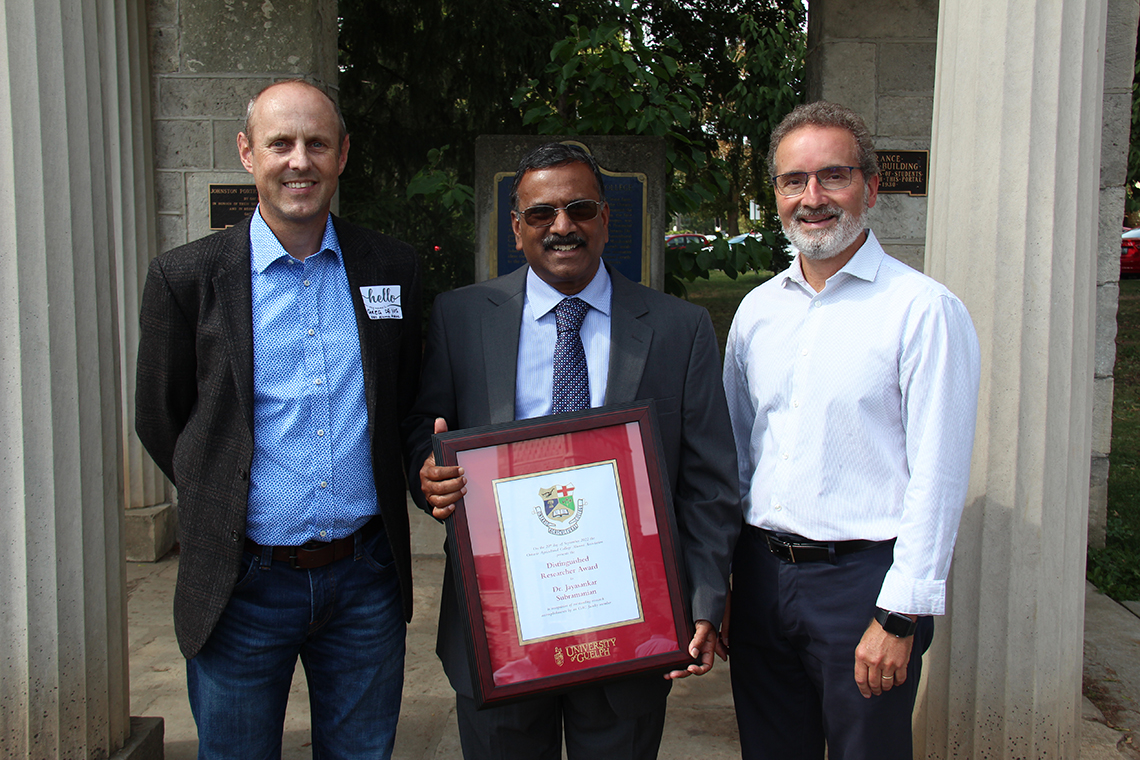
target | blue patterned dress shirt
[{"x": 311, "y": 477}]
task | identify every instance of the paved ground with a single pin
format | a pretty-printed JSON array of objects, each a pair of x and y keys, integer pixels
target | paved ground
[{"x": 701, "y": 722}]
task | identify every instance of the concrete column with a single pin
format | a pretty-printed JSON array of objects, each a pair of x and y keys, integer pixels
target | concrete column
[
  {"x": 207, "y": 59},
  {"x": 877, "y": 58},
  {"x": 69, "y": 169},
  {"x": 1119, "y": 58},
  {"x": 1011, "y": 228}
]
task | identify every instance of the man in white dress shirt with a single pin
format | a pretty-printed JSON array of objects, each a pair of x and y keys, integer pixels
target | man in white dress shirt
[{"x": 852, "y": 384}]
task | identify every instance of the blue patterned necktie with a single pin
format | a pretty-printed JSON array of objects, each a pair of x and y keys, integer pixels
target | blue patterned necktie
[{"x": 571, "y": 379}]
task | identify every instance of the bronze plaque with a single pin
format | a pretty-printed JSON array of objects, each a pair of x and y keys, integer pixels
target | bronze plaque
[
  {"x": 229, "y": 204},
  {"x": 903, "y": 171}
]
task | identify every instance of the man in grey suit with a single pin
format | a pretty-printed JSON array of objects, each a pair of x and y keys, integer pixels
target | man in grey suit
[
  {"x": 276, "y": 362},
  {"x": 492, "y": 355}
]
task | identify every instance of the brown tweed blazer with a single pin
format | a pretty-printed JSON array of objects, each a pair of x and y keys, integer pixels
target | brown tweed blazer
[{"x": 194, "y": 401}]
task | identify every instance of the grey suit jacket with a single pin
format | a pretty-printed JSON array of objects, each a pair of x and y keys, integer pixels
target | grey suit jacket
[
  {"x": 661, "y": 348},
  {"x": 194, "y": 401}
]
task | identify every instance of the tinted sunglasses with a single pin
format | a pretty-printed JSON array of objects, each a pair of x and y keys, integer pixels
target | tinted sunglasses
[{"x": 544, "y": 216}]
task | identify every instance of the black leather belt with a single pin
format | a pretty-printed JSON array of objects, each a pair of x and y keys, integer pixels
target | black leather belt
[
  {"x": 317, "y": 553},
  {"x": 792, "y": 548}
]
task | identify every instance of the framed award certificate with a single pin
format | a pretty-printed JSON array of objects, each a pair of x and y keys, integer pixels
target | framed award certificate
[{"x": 565, "y": 552}]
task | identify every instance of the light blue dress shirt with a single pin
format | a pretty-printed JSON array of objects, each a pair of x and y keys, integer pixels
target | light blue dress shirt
[
  {"x": 539, "y": 333},
  {"x": 311, "y": 476}
]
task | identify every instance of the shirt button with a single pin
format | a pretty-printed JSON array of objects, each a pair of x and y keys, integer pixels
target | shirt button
[
  {"x": 778, "y": 507},
  {"x": 784, "y": 455},
  {"x": 323, "y": 485},
  {"x": 817, "y": 304},
  {"x": 804, "y": 352},
  {"x": 320, "y": 432},
  {"x": 312, "y": 331},
  {"x": 324, "y": 532},
  {"x": 317, "y": 381},
  {"x": 796, "y": 404},
  {"x": 306, "y": 283}
]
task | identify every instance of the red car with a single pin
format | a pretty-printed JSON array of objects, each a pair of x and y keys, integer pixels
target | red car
[{"x": 1130, "y": 253}]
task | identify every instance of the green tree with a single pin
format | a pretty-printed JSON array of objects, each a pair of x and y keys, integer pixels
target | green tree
[
  {"x": 420, "y": 79},
  {"x": 418, "y": 86},
  {"x": 608, "y": 79},
  {"x": 1132, "y": 194}
]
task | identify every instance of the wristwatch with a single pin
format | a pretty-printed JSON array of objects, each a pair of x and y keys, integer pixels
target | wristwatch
[{"x": 895, "y": 623}]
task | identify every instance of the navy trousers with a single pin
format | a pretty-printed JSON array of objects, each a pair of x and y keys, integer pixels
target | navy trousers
[
  {"x": 533, "y": 729},
  {"x": 794, "y": 630}
]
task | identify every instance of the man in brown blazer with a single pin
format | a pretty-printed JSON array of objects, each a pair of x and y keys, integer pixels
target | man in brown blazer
[{"x": 276, "y": 362}]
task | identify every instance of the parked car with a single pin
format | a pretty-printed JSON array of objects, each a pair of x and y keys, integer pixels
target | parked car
[
  {"x": 685, "y": 239},
  {"x": 1130, "y": 253}
]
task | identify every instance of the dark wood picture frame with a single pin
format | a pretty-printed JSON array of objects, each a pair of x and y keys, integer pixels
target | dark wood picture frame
[{"x": 508, "y": 662}]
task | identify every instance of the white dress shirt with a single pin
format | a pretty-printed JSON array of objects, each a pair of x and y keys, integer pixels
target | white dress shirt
[
  {"x": 539, "y": 333},
  {"x": 853, "y": 410}
]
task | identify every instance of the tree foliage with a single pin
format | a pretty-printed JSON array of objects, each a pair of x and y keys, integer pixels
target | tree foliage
[
  {"x": 1132, "y": 193},
  {"x": 420, "y": 79}
]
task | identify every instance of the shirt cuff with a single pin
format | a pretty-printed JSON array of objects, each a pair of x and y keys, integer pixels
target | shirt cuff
[{"x": 912, "y": 596}]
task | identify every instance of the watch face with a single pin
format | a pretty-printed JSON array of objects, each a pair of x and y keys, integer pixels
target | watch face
[{"x": 896, "y": 624}]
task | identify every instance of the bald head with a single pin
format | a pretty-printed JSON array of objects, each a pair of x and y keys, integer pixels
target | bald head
[{"x": 251, "y": 107}]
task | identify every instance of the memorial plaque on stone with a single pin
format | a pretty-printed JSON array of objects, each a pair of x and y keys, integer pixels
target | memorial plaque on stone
[
  {"x": 229, "y": 204},
  {"x": 627, "y": 250},
  {"x": 903, "y": 171}
]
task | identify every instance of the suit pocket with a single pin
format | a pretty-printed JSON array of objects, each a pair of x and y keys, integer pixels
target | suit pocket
[{"x": 671, "y": 405}]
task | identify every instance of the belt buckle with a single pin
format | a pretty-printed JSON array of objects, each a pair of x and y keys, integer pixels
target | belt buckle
[{"x": 781, "y": 548}]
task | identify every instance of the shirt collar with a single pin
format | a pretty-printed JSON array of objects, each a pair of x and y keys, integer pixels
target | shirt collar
[
  {"x": 265, "y": 248},
  {"x": 864, "y": 264},
  {"x": 543, "y": 297}
]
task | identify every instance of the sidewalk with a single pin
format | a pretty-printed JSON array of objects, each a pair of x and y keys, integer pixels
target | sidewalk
[{"x": 700, "y": 722}]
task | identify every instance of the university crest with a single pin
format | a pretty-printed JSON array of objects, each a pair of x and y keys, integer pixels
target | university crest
[{"x": 559, "y": 512}]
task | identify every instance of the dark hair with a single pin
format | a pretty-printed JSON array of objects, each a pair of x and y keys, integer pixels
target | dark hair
[
  {"x": 824, "y": 114},
  {"x": 555, "y": 154},
  {"x": 262, "y": 91}
]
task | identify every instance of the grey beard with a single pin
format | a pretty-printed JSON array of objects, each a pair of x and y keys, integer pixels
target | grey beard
[{"x": 829, "y": 243}]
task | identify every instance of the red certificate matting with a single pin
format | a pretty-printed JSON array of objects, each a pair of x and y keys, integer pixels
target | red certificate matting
[{"x": 565, "y": 552}]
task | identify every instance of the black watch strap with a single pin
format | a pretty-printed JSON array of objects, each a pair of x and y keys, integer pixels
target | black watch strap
[{"x": 895, "y": 623}]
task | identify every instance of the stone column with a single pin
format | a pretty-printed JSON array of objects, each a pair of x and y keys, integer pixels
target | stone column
[
  {"x": 1012, "y": 229},
  {"x": 877, "y": 58},
  {"x": 1119, "y": 58},
  {"x": 207, "y": 59},
  {"x": 70, "y": 166}
]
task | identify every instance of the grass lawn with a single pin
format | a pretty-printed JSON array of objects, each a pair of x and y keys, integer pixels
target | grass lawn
[
  {"x": 1115, "y": 569},
  {"x": 721, "y": 295}
]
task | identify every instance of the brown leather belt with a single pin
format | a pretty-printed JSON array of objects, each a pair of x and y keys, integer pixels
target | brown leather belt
[{"x": 317, "y": 553}]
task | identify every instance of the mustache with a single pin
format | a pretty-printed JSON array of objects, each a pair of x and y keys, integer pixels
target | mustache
[
  {"x": 573, "y": 239},
  {"x": 829, "y": 210}
]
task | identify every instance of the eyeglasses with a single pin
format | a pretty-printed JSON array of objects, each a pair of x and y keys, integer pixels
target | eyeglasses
[
  {"x": 544, "y": 216},
  {"x": 831, "y": 178}
]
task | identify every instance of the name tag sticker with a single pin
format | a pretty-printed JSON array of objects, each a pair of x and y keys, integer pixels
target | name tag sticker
[{"x": 382, "y": 301}]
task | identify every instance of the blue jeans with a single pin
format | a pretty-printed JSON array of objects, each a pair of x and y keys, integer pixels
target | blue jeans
[{"x": 345, "y": 622}]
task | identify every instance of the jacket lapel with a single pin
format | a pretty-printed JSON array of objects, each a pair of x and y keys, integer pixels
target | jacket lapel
[
  {"x": 501, "y": 344},
  {"x": 235, "y": 298},
  {"x": 357, "y": 262},
  {"x": 630, "y": 339}
]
